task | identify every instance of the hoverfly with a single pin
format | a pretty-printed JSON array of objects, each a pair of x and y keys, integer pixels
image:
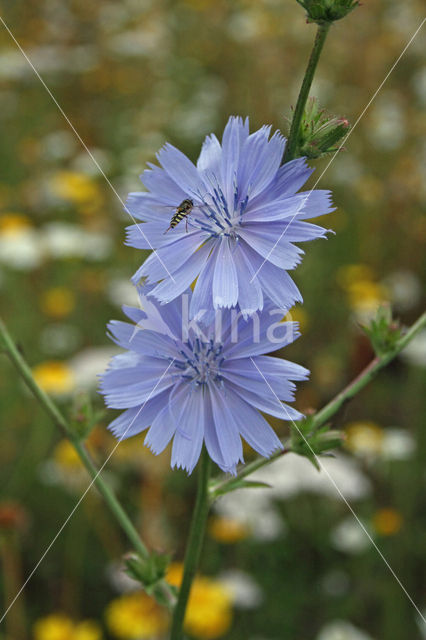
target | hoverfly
[{"x": 182, "y": 211}]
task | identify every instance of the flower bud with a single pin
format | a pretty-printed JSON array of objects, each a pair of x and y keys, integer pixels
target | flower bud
[
  {"x": 323, "y": 11},
  {"x": 383, "y": 331},
  {"x": 83, "y": 417},
  {"x": 320, "y": 132},
  {"x": 148, "y": 571}
]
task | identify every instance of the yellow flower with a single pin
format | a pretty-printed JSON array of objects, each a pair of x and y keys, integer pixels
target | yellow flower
[
  {"x": 364, "y": 294},
  {"x": 57, "y": 302},
  {"x": 66, "y": 456},
  {"x": 350, "y": 273},
  {"x": 13, "y": 223},
  {"x": 387, "y": 522},
  {"x": 59, "y": 627},
  {"x": 364, "y": 438},
  {"x": 209, "y": 613},
  {"x": 77, "y": 188},
  {"x": 226, "y": 530},
  {"x": 135, "y": 615},
  {"x": 54, "y": 377}
]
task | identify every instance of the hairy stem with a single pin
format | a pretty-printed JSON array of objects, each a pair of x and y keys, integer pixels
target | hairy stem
[
  {"x": 7, "y": 344},
  {"x": 193, "y": 549},
  {"x": 291, "y": 147},
  {"x": 222, "y": 485}
]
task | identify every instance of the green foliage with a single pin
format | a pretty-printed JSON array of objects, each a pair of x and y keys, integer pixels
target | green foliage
[
  {"x": 83, "y": 416},
  {"x": 383, "y": 331},
  {"x": 311, "y": 442},
  {"x": 148, "y": 571},
  {"x": 322, "y": 11},
  {"x": 320, "y": 133}
]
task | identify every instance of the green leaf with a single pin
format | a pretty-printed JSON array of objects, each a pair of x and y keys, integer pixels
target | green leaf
[{"x": 239, "y": 483}]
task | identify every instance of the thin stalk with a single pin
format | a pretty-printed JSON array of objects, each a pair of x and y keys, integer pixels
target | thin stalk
[
  {"x": 7, "y": 344},
  {"x": 221, "y": 485},
  {"x": 291, "y": 147},
  {"x": 193, "y": 549}
]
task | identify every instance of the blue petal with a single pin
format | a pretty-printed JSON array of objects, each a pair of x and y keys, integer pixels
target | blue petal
[
  {"x": 252, "y": 426},
  {"x": 211, "y": 439},
  {"x": 226, "y": 430},
  {"x": 275, "y": 282},
  {"x": 272, "y": 245},
  {"x": 136, "y": 419},
  {"x": 189, "y": 436},
  {"x": 258, "y": 338},
  {"x": 231, "y": 147},
  {"x": 120, "y": 393},
  {"x": 250, "y": 296},
  {"x": 211, "y": 155},
  {"x": 164, "y": 262},
  {"x": 181, "y": 170},
  {"x": 260, "y": 160},
  {"x": 170, "y": 288},
  {"x": 267, "y": 404},
  {"x": 244, "y": 374},
  {"x": 278, "y": 286},
  {"x": 290, "y": 177},
  {"x": 269, "y": 365},
  {"x": 148, "y": 207},
  {"x": 134, "y": 313},
  {"x": 162, "y": 186},
  {"x": 317, "y": 203},
  {"x": 225, "y": 281},
  {"x": 164, "y": 426},
  {"x": 142, "y": 341},
  {"x": 201, "y": 301},
  {"x": 289, "y": 207}
]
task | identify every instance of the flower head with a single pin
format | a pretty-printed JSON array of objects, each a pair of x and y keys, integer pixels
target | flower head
[
  {"x": 135, "y": 616},
  {"x": 209, "y": 611},
  {"x": 194, "y": 383},
  {"x": 60, "y": 627},
  {"x": 244, "y": 214}
]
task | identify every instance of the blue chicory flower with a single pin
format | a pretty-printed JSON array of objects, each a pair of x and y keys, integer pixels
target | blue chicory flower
[
  {"x": 196, "y": 384},
  {"x": 238, "y": 238}
]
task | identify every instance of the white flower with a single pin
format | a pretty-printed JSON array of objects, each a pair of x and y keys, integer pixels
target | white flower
[
  {"x": 350, "y": 537},
  {"x": 398, "y": 444},
  {"x": 415, "y": 351},
  {"x": 342, "y": 630},
  {"x": 63, "y": 240},
  {"x": 21, "y": 249},
  {"x": 245, "y": 592},
  {"x": 292, "y": 474}
]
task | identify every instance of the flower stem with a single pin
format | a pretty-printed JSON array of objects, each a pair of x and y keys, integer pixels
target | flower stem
[
  {"x": 223, "y": 485},
  {"x": 193, "y": 548},
  {"x": 291, "y": 147},
  {"x": 7, "y": 344}
]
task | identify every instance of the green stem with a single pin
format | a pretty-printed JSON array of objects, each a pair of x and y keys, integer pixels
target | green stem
[
  {"x": 291, "y": 147},
  {"x": 223, "y": 485},
  {"x": 193, "y": 549},
  {"x": 7, "y": 344}
]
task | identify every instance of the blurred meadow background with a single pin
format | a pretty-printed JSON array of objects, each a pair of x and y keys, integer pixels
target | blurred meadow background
[{"x": 288, "y": 563}]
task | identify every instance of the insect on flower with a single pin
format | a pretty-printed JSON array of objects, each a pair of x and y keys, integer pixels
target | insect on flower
[{"x": 182, "y": 211}]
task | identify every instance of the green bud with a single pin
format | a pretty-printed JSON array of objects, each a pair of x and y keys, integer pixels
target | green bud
[
  {"x": 383, "y": 331},
  {"x": 148, "y": 572},
  {"x": 311, "y": 443},
  {"x": 323, "y": 11},
  {"x": 320, "y": 132},
  {"x": 83, "y": 417}
]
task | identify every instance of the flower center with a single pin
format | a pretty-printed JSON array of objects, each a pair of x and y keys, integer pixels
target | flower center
[
  {"x": 217, "y": 214},
  {"x": 200, "y": 361}
]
